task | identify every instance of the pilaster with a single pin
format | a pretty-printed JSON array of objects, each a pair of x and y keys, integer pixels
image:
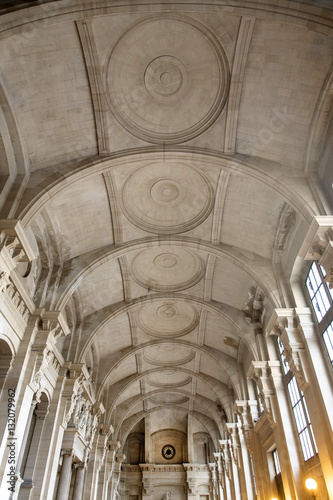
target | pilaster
[
  {"x": 277, "y": 412},
  {"x": 302, "y": 350}
]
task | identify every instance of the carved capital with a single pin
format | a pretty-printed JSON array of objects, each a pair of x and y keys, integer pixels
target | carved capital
[{"x": 318, "y": 244}]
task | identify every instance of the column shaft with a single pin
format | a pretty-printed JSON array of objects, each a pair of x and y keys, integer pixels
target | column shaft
[{"x": 65, "y": 478}]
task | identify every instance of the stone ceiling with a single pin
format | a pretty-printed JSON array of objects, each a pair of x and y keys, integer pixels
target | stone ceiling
[{"x": 170, "y": 154}]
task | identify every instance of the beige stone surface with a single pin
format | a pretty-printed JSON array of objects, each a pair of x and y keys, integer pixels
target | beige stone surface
[{"x": 165, "y": 162}]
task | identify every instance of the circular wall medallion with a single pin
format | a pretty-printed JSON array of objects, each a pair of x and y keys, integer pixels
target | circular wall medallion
[
  {"x": 168, "y": 451},
  {"x": 158, "y": 87},
  {"x": 168, "y": 320},
  {"x": 167, "y": 269},
  {"x": 167, "y": 198}
]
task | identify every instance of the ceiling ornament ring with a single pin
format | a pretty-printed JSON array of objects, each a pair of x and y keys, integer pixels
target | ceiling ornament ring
[
  {"x": 167, "y": 320},
  {"x": 150, "y": 270},
  {"x": 158, "y": 88},
  {"x": 167, "y": 198},
  {"x": 168, "y": 362},
  {"x": 177, "y": 401},
  {"x": 168, "y": 385}
]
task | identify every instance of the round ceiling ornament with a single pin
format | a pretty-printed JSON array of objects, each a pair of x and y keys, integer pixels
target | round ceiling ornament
[
  {"x": 168, "y": 355},
  {"x": 151, "y": 268},
  {"x": 158, "y": 87},
  {"x": 168, "y": 320},
  {"x": 167, "y": 198}
]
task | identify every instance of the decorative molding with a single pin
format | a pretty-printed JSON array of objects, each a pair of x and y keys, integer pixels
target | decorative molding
[
  {"x": 221, "y": 191},
  {"x": 126, "y": 275},
  {"x": 208, "y": 280},
  {"x": 14, "y": 244},
  {"x": 115, "y": 209},
  {"x": 10, "y": 291},
  {"x": 236, "y": 85},
  {"x": 287, "y": 221},
  {"x": 93, "y": 66},
  {"x": 162, "y": 66},
  {"x": 318, "y": 245},
  {"x": 254, "y": 307},
  {"x": 286, "y": 324},
  {"x": 152, "y": 188}
]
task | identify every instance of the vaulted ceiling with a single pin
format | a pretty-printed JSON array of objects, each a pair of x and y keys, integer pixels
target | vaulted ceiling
[{"x": 167, "y": 159}]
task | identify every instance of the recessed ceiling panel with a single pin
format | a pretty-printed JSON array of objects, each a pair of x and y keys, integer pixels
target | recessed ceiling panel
[
  {"x": 167, "y": 269},
  {"x": 168, "y": 319},
  {"x": 159, "y": 88},
  {"x": 167, "y": 199}
]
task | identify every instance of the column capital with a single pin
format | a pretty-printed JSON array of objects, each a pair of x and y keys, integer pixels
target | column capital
[
  {"x": 120, "y": 458},
  {"x": 268, "y": 376},
  {"x": 287, "y": 325},
  {"x": 67, "y": 451},
  {"x": 114, "y": 445},
  {"x": 226, "y": 457},
  {"x": 247, "y": 411},
  {"x": 318, "y": 244},
  {"x": 14, "y": 244},
  {"x": 80, "y": 465}
]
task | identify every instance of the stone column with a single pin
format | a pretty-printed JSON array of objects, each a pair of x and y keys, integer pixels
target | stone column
[
  {"x": 214, "y": 481},
  {"x": 277, "y": 412},
  {"x": 221, "y": 475},
  {"x": 120, "y": 457},
  {"x": 79, "y": 481},
  {"x": 303, "y": 353},
  {"x": 190, "y": 445},
  {"x": 242, "y": 461},
  {"x": 29, "y": 470},
  {"x": 248, "y": 414},
  {"x": 65, "y": 476},
  {"x": 101, "y": 478},
  {"x": 113, "y": 447},
  {"x": 91, "y": 473},
  {"x": 27, "y": 375},
  {"x": 229, "y": 483},
  {"x": 23, "y": 447},
  {"x": 147, "y": 439}
]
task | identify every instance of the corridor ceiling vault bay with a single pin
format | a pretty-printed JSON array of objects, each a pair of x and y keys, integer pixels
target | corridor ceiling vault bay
[{"x": 166, "y": 160}]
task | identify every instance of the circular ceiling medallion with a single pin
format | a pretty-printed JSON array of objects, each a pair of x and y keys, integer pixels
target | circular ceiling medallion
[
  {"x": 158, "y": 87},
  {"x": 167, "y": 198},
  {"x": 169, "y": 381},
  {"x": 166, "y": 319},
  {"x": 165, "y": 77},
  {"x": 167, "y": 269},
  {"x": 168, "y": 355}
]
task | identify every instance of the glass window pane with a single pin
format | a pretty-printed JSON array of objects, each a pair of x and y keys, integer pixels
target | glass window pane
[
  {"x": 276, "y": 462},
  {"x": 293, "y": 391},
  {"x": 315, "y": 274},
  {"x": 328, "y": 340}
]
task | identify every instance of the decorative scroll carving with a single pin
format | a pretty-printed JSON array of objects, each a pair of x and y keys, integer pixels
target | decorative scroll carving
[
  {"x": 14, "y": 242},
  {"x": 254, "y": 307},
  {"x": 286, "y": 324},
  {"x": 147, "y": 486},
  {"x": 192, "y": 486},
  {"x": 318, "y": 245},
  {"x": 287, "y": 221},
  {"x": 9, "y": 289}
]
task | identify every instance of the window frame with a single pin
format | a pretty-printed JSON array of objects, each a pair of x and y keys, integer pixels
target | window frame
[
  {"x": 299, "y": 409},
  {"x": 326, "y": 322}
]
